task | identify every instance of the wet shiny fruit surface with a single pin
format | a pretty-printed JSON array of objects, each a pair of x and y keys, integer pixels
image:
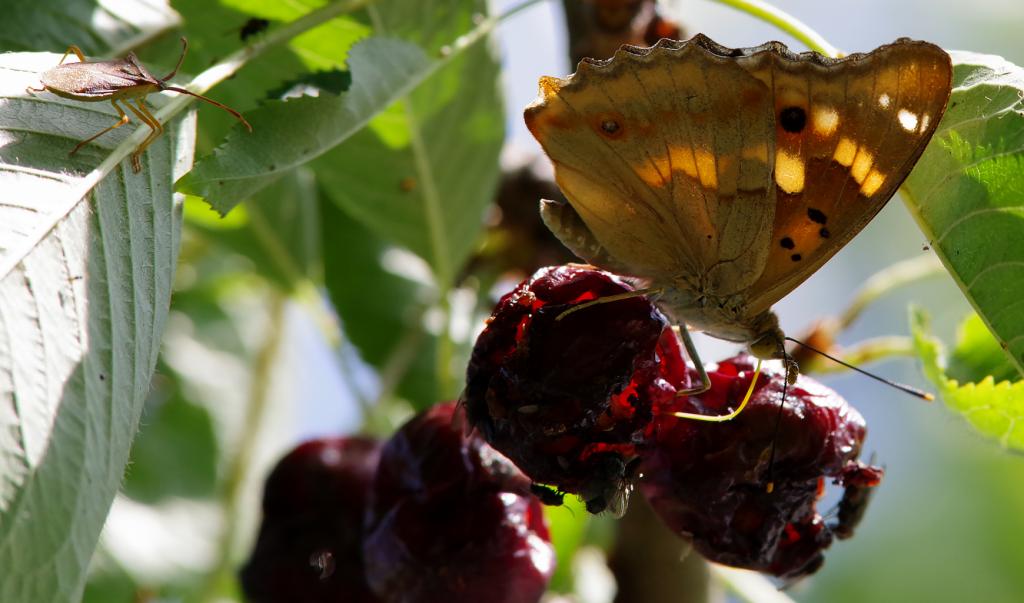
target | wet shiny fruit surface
[
  {"x": 568, "y": 396},
  {"x": 709, "y": 481},
  {"x": 563, "y": 396},
  {"x": 309, "y": 546},
  {"x": 452, "y": 520}
]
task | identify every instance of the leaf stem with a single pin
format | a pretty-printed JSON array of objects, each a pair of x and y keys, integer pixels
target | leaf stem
[
  {"x": 400, "y": 358},
  {"x": 786, "y": 22},
  {"x": 240, "y": 465},
  {"x": 444, "y": 273},
  {"x": 884, "y": 281},
  {"x": 866, "y": 352},
  {"x": 303, "y": 288}
]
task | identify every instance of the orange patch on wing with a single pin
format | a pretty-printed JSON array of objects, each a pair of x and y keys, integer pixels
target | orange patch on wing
[{"x": 752, "y": 97}]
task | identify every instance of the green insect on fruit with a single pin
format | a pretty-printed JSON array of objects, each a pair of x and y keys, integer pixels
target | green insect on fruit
[{"x": 123, "y": 80}]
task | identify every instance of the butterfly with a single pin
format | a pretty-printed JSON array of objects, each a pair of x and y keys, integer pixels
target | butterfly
[{"x": 725, "y": 177}]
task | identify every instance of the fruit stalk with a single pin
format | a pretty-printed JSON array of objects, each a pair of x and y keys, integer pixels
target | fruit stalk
[{"x": 239, "y": 467}]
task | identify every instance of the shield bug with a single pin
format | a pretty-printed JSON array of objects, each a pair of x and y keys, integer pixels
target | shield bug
[{"x": 121, "y": 80}]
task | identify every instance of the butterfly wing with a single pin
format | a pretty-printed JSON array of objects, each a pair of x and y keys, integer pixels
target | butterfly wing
[
  {"x": 665, "y": 157},
  {"x": 739, "y": 172},
  {"x": 847, "y": 133}
]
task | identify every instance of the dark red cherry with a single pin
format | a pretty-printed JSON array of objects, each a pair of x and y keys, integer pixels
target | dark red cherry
[
  {"x": 452, "y": 520},
  {"x": 309, "y": 546},
  {"x": 568, "y": 396},
  {"x": 709, "y": 481}
]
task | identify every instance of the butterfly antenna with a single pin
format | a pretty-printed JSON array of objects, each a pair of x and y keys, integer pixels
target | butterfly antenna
[{"x": 913, "y": 391}]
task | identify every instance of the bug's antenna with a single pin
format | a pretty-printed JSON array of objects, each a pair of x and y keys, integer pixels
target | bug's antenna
[
  {"x": 237, "y": 115},
  {"x": 184, "y": 49},
  {"x": 913, "y": 391}
]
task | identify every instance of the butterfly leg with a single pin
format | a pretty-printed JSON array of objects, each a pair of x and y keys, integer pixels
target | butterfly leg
[
  {"x": 563, "y": 221},
  {"x": 691, "y": 352},
  {"x": 705, "y": 385}
]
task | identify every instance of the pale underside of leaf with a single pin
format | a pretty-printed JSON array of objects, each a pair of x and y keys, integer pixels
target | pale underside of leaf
[
  {"x": 86, "y": 264},
  {"x": 99, "y": 27},
  {"x": 967, "y": 193}
]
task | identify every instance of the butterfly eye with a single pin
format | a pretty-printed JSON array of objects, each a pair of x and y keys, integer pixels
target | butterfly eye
[
  {"x": 610, "y": 127},
  {"x": 793, "y": 119}
]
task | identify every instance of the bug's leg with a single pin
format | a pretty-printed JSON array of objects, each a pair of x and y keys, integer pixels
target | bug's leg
[
  {"x": 137, "y": 153},
  {"x": 120, "y": 122},
  {"x": 74, "y": 49},
  {"x": 150, "y": 120},
  {"x": 156, "y": 129},
  {"x": 691, "y": 351}
]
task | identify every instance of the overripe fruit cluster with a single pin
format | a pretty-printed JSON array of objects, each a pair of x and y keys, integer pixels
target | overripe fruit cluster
[
  {"x": 582, "y": 401},
  {"x": 576, "y": 396}
]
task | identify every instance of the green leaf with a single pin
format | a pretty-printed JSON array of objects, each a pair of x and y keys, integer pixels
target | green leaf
[
  {"x": 289, "y": 133},
  {"x": 977, "y": 354},
  {"x": 175, "y": 454},
  {"x": 382, "y": 312},
  {"x": 994, "y": 408},
  {"x": 212, "y": 30},
  {"x": 98, "y": 28},
  {"x": 424, "y": 172},
  {"x": 87, "y": 254},
  {"x": 108, "y": 582},
  {"x": 279, "y": 230},
  {"x": 967, "y": 193}
]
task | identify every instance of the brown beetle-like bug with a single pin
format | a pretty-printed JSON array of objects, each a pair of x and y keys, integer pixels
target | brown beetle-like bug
[{"x": 125, "y": 80}]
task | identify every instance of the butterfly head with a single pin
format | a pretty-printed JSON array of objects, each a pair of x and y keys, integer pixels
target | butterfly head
[{"x": 768, "y": 342}]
